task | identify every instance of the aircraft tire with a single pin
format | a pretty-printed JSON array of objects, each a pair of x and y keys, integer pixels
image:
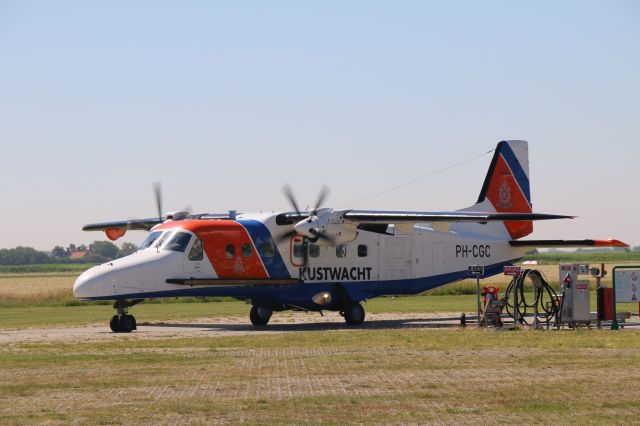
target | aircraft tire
[
  {"x": 127, "y": 323},
  {"x": 259, "y": 315},
  {"x": 354, "y": 314},
  {"x": 114, "y": 324}
]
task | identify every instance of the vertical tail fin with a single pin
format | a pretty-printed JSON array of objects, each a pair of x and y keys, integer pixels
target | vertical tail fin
[{"x": 506, "y": 187}]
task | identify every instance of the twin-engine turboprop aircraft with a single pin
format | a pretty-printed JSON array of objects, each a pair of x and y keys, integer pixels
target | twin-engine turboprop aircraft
[{"x": 323, "y": 259}]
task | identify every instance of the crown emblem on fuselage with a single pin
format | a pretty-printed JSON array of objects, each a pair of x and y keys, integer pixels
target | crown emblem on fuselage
[{"x": 504, "y": 194}]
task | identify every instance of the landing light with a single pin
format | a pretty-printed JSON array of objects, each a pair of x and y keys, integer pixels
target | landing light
[{"x": 323, "y": 298}]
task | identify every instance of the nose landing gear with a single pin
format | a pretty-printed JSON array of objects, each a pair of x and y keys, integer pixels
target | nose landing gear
[{"x": 122, "y": 322}]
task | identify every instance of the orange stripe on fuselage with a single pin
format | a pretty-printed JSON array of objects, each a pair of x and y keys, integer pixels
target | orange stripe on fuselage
[
  {"x": 216, "y": 235},
  {"x": 506, "y": 196}
]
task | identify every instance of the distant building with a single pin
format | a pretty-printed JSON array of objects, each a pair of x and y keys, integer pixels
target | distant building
[{"x": 78, "y": 254}]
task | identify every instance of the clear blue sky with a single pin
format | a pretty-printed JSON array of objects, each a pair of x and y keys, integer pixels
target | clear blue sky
[{"x": 224, "y": 102}]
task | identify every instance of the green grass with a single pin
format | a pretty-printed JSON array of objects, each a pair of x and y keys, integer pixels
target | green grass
[
  {"x": 45, "y": 268},
  {"x": 595, "y": 257},
  {"x": 366, "y": 376},
  {"x": 171, "y": 309},
  {"x": 52, "y": 316},
  {"x": 34, "y": 316}
]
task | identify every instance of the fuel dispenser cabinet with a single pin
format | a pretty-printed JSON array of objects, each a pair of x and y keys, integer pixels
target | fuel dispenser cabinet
[
  {"x": 605, "y": 303},
  {"x": 574, "y": 306}
]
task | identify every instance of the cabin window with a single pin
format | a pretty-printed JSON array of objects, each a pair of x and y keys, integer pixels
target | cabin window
[
  {"x": 150, "y": 239},
  {"x": 246, "y": 250},
  {"x": 230, "y": 251},
  {"x": 196, "y": 252},
  {"x": 300, "y": 249},
  {"x": 268, "y": 250},
  {"x": 362, "y": 250},
  {"x": 314, "y": 250},
  {"x": 341, "y": 251},
  {"x": 178, "y": 242}
]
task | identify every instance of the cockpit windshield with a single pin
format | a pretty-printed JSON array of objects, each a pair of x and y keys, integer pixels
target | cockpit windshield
[
  {"x": 150, "y": 239},
  {"x": 178, "y": 242}
]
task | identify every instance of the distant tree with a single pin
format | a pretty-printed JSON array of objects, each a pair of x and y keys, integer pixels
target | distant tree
[
  {"x": 127, "y": 249},
  {"x": 59, "y": 252},
  {"x": 104, "y": 249},
  {"x": 23, "y": 256}
]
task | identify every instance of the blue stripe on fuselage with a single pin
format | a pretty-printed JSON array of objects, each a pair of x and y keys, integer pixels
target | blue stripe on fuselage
[
  {"x": 516, "y": 168},
  {"x": 300, "y": 295},
  {"x": 261, "y": 237}
]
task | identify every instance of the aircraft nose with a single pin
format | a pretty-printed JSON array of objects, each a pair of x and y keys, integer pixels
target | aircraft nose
[{"x": 87, "y": 284}]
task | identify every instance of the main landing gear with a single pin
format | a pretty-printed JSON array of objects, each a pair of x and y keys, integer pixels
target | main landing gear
[
  {"x": 122, "y": 322},
  {"x": 260, "y": 315},
  {"x": 353, "y": 314}
]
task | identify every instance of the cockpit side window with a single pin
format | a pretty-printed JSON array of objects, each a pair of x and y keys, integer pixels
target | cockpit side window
[
  {"x": 178, "y": 242},
  {"x": 196, "y": 252},
  {"x": 150, "y": 239}
]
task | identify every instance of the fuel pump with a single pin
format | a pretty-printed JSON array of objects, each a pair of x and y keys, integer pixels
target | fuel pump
[{"x": 575, "y": 296}]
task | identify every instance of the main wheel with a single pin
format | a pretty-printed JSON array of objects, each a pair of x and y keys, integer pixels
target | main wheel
[
  {"x": 260, "y": 315},
  {"x": 115, "y": 324},
  {"x": 354, "y": 314},
  {"x": 127, "y": 323}
]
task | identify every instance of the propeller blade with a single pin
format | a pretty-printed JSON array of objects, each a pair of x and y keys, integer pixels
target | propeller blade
[
  {"x": 286, "y": 190},
  {"x": 157, "y": 190},
  {"x": 324, "y": 193}
]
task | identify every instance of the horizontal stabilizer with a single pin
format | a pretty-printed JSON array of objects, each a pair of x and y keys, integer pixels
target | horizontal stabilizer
[{"x": 568, "y": 243}]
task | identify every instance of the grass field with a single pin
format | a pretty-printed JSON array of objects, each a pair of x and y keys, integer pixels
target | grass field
[
  {"x": 386, "y": 375},
  {"x": 332, "y": 377}
]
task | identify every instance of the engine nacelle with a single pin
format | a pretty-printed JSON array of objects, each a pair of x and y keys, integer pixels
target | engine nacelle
[{"x": 327, "y": 227}]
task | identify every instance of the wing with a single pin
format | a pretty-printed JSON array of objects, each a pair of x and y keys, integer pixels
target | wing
[
  {"x": 568, "y": 243},
  {"x": 373, "y": 216},
  {"x": 133, "y": 224}
]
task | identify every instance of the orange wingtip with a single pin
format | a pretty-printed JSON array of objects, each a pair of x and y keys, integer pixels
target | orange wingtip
[{"x": 609, "y": 243}]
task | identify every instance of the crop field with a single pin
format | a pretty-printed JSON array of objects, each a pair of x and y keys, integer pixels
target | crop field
[{"x": 203, "y": 363}]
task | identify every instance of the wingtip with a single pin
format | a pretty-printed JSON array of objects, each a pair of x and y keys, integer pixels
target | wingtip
[{"x": 610, "y": 243}]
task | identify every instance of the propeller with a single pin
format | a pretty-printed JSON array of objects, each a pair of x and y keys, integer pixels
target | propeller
[
  {"x": 288, "y": 193},
  {"x": 312, "y": 218},
  {"x": 157, "y": 191},
  {"x": 185, "y": 213}
]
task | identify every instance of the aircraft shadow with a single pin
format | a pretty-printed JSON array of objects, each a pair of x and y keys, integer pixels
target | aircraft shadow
[{"x": 419, "y": 323}]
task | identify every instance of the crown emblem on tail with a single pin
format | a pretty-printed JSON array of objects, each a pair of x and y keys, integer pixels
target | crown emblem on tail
[{"x": 504, "y": 194}]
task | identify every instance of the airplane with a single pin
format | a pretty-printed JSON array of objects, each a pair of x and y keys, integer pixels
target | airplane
[{"x": 323, "y": 259}]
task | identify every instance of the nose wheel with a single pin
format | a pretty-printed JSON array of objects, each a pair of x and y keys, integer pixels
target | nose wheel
[{"x": 122, "y": 322}]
